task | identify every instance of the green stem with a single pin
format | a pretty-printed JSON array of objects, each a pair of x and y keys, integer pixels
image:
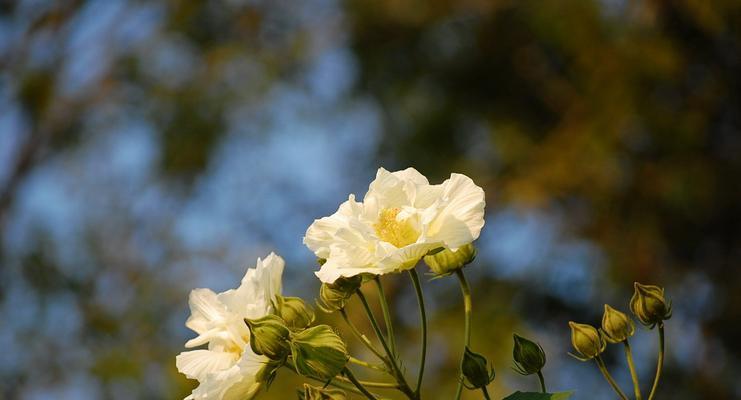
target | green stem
[
  {"x": 632, "y": 367},
  {"x": 466, "y": 291},
  {"x": 659, "y": 363},
  {"x": 386, "y": 315},
  {"x": 423, "y": 322},
  {"x": 363, "y": 339},
  {"x": 358, "y": 385},
  {"x": 390, "y": 360},
  {"x": 486, "y": 393},
  {"x": 606, "y": 374},
  {"x": 373, "y": 384},
  {"x": 366, "y": 364},
  {"x": 542, "y": 381}
]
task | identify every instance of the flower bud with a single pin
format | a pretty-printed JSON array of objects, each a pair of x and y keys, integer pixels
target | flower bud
[
  {"x": 294, "y": 312},
  {"x": 446, "y": 261},
  {"x": 318, "y": 352},
  {"x": 586, "y": 340},
  {"x": 332, "y": 297},
  {"x": 616, "y": 326},
  {"x": 269, "y": 337},
  {"x": 314, "y": 393},
  {"x": 475, "y": 370},
  {"x": 529, "y": 356},
  {"x": 649, "y": 305}
]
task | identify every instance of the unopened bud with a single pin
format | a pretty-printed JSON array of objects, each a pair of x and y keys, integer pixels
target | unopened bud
[
  {"x": 586, "y": 340},
  {"x": 616, "y": 326},
  {"x": 294, "y": 311},
  {"x": 475, "y": 370},
  {"x": 314, "y": 393},
  {"x": 529, "y": 357},
  {"x": 318, "y": 352},
  {"x": 332, "y": 297},
  {"x": 649, "y": 305},
  {"x": 446, "y": 261},
  {"x": 269, "y": 337}
]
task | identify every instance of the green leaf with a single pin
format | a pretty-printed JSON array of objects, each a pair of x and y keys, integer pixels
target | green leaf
[{"x": 538, "y": 396}]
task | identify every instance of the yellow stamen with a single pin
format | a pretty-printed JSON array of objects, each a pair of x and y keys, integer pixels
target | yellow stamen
[{"x": 398, "y": 233}]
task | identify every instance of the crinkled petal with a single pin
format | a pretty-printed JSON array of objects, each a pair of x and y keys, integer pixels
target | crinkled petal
[
  {"x": 197, "y": 364},
  {"x": 394, "y": 189},
  {"x": 239, "y": 382},
  {"x": 459, "y": 214}
]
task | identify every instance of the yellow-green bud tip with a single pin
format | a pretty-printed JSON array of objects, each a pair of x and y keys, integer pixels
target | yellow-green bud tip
[
  {"x": 616, "y": 326},
  {"x": 294, "y": 311},
  {"x": 649, "y": 305},
  {"x": 318, "y": 352},
  {"x": 446, "y": 261},
  {"x": 586, "y": 340},
  {"x": 269, "y": 337}
]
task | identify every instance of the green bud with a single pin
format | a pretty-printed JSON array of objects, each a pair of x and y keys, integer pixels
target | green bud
[
  {"x": 616, "y": 326},
  {"x": 529, "y": 356},
  {"x": 294, "y": 312},
  {"x": 318, "y": 352},
  {"x": 475, "y": 370},
  {"x": 586, "y": 340},
  {"x": 332, "y": 297},
  {"x": 269, "y": 337},
  {"x": 446, "y": 261},
  {"x": 314, "y": 393},
  {"x": 649, "y": 305}
]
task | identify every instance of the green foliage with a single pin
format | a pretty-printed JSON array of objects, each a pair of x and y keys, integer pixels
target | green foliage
[{"x": 538, "y": 396}]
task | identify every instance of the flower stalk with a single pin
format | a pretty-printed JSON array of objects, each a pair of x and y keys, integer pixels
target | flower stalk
[
  {"x": 608, "y": 377},
  {"x": 467, "y": 308},
  {"x": 659, "y": 363},
  {"x": 423, "y": 322},
  {"x": 632, "y": 367}
]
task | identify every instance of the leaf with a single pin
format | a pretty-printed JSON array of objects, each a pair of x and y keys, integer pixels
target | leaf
[{"x": 538, "y": 396}]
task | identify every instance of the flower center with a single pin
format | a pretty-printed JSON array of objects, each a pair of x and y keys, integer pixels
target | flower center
[{"x": 398, "y": 233}]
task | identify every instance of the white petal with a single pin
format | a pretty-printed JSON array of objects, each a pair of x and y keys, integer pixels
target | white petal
[
  {"x": 197, "y": 364},
  {"x": 394, "y": 189},
  {"x": 206, "y": 310},
  {"x": 238, "y": 382},
  {"x": 321, "y": 233},
  {"x": 459, "y": 214},
  {"x": 406, "y": 257}
]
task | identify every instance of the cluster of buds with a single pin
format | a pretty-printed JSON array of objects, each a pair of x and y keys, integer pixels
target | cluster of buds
[
  {"x": 647, "y": 304},
  {"x": 317, "y": 352}
]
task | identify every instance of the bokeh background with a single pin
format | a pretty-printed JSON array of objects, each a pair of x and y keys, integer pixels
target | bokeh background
[{"x": 147, "y": 148}]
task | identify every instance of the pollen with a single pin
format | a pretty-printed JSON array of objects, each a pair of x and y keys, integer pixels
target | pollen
[{"x": 389, "y": 229}]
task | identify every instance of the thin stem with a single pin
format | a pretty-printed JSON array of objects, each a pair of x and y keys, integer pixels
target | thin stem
[
  {"x": 390, "y": 360},
  {"x": 358, "y": 385},
  {"x": 659, "y": 363},
  {"x": 632, "y": 367},
  {"x": 423, "y": 322},
  {"x": 366, "y": 364},
  {"x": 542, "y": 381},
  {"x": 386, "y": 315},
  {"x": 373, "y": 384},
  {"x": 466, "y": 291},
  {"x": 363, "y": 339},
  {"x": 486, "y": 393},
  {"x": 606, "y": 374}
]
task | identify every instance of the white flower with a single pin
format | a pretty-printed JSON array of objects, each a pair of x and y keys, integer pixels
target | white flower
[
  {"x": 401, "y": 218},
  {"x": 228, "y": 368}
]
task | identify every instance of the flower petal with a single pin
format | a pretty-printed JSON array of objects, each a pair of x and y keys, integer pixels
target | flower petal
[
  {"x": 197, "y": 364},
  {"x": 459, "y": 213}
]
